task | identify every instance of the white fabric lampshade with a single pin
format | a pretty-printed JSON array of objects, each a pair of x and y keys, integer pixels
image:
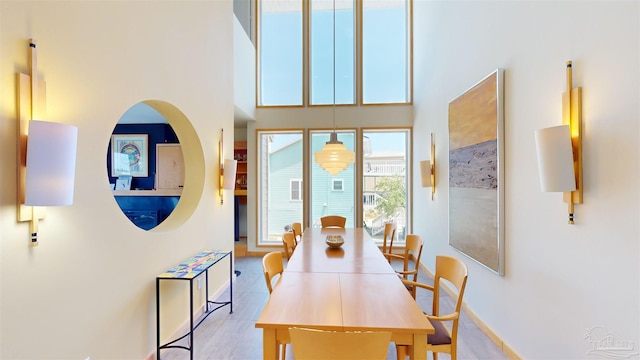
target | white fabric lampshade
[
  {"x": 229, "y": 180},
  {"x": 334, "y": 156},
  {"x": 51, "y": 163},
  {"x": 555, "y": 159}
]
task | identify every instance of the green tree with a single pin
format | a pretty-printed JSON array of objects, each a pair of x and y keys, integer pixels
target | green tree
[{"x": 392, "y": 191}]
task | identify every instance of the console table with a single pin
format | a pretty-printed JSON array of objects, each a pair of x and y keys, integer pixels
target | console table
[{"x": 189, "y": 270}]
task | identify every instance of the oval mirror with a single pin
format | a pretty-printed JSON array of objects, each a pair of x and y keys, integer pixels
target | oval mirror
[{"x": 145, "y": 166}]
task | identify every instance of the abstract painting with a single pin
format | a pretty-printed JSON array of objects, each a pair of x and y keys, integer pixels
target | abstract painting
[{"x": 476, "y": 186}]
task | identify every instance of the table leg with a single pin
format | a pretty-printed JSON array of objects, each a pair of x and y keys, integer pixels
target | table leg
[
  {"x": 269, "y": 344},
  {"x": 419, "y": 349}
]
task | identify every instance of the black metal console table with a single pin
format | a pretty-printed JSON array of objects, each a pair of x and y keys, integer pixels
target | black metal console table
[{"x": 189, "y": 270}]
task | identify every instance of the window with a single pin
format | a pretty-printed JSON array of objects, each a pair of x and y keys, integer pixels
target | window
[
  {"x": 385, "y": 177},
  {"x": 337, "y": 185},
  {"x": 295, "y": 186},
  {"x": 280, "y": 167},
  {"x": 280, "y": 56},
  {"x": 324, "y": 200},
  {"x": 299, "y": 44},
  {"x": 322, "y": 52},
  {"x": 385, "y": 78}
]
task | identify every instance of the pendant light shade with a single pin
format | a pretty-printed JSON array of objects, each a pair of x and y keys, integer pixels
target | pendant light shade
[{"x": 334, "y": 156}]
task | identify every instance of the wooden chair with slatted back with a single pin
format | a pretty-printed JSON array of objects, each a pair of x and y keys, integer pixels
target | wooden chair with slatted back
[
  {"x": 297, "y": 231},
  {"x": 289, "y": 243},
  {"x": 333, "y": 221},
  {"x": 389, "y": 235},
  {"x": 444, "y": 340},
  {"x": 412, "y": 250},
  {"x": 309, "y": 344},
  {"x": 272, "y": 266}
]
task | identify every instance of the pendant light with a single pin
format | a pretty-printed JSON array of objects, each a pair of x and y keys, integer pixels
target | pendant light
[{"x": 334, "y": 156}]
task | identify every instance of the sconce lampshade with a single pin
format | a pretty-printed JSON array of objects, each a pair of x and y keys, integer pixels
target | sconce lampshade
[
  {"x": 555, "y": 159},
  {"x": 334, "y": 156},
  {"x": 51, "y": 163},
  {"x": 425, "y": 173},
  {"x": 229, "y": 180}
]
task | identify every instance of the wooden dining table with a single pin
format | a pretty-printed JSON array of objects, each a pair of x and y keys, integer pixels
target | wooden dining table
[{"x": 352, "y": 288}]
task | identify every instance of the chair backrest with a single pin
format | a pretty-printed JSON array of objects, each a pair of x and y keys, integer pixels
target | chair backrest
[
  {"x": 389, "y": 235},
  {"x": 333, "y": 221},
  {"x": 454, "y": 271},
  {"x": 311, "y": 344},
  {"x": 297, "y": 231},
  {"x": 289, "y": 242},
  {"x": 272, "y": 266},
  {"x": 413, "y": 248}
]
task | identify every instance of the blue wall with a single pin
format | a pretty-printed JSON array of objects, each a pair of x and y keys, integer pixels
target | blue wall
[{"x": 158, "y": 133}]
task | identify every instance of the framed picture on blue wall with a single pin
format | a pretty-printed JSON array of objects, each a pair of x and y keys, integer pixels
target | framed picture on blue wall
[{"x": 130, "y": 155}]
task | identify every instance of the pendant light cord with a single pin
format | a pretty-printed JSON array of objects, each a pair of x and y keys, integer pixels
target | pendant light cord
[{"x": 334, "y": 67}]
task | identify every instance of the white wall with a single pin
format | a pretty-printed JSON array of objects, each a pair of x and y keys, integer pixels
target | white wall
[
  {"x": 89, "y": 288},
  {"x": 560, "y": 279}
]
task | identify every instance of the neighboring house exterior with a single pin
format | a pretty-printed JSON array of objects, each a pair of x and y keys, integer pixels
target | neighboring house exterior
[
  {"x": 284, "y": 167},
  {"x": 332, "y": 195}
]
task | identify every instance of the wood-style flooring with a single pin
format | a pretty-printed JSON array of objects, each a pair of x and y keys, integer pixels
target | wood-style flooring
[{"x": 224, "y": 336}]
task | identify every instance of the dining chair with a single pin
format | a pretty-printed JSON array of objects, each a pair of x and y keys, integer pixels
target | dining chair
[
  {"x": 311, "y": 344},
  {"x": 271, "y": 267},
  {"x": 333, "y": 221},
  {"x": 389, "y": 235},
  {"x": 297, "y": 231},
  {"x": 289, "y": 242},
  {"x": 412, "y": 250},
  {"x": 443, "y": 340}
]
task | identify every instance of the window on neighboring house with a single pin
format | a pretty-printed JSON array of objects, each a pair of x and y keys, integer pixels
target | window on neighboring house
[
  {"x": 280, "y": 159},
  {"x": 337, "y": 185},
  {"x": 295, "y": 186},
  {"x": 298, "y": 47}
]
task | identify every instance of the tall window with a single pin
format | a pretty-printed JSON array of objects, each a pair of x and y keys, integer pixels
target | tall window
[
  {"x": 385, "y": 52},
  {"x": 322, "y": 52},
  {"x": 280, "y": 55},
  {"x": 385, "y": 176},
  {"x": 299, "y": 42},
  {"x": 280, "y": 191},
  {"x": 325, "y": 200}
]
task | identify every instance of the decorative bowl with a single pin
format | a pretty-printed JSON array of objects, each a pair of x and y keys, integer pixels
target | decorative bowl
[{"x": 334, "y": 241}]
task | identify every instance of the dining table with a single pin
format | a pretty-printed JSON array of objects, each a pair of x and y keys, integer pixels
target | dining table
[{"x": 350, "y": 288}]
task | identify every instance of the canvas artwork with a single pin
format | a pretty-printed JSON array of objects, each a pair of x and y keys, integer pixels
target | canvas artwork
[{"x": 476, "y": 174}]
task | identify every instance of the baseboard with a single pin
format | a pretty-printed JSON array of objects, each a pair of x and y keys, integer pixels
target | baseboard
[
  {"x": 184, "y": 328},
  {"x": 504, "y": 347}
]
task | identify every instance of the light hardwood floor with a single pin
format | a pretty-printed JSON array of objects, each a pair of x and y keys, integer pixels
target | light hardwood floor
[{"x": 224, "y": 336}]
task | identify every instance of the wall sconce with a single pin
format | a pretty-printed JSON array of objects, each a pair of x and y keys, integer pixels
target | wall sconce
[
  {"x": 227, "y": 170},
  {"x": 46, "y": 152},
  {"x": 428, "y": 170},
  {"x": 559, "y": 150}
]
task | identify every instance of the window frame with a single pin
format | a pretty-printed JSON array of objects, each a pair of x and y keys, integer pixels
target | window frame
[{"x": 358, "y": 58}]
